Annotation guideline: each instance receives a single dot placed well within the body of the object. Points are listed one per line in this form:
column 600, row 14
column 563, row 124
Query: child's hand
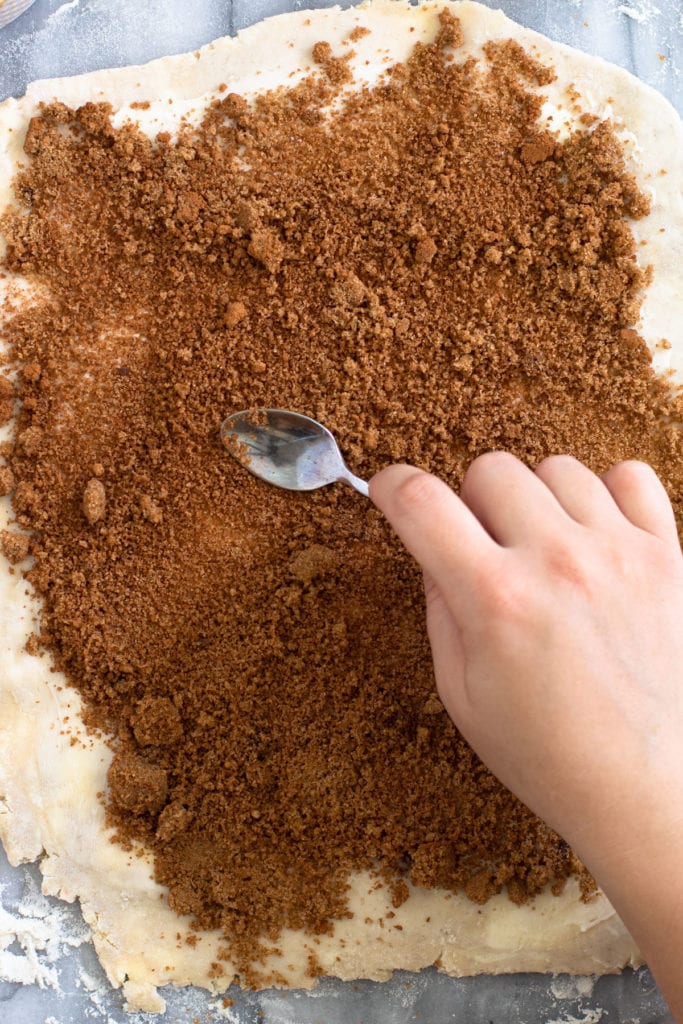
column 555, row 614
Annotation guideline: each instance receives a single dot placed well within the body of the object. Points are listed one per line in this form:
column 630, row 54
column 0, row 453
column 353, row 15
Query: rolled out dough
column 48, row 804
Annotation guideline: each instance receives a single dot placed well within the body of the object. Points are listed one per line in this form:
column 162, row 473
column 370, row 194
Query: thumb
column 438, row 529
column 448, row 653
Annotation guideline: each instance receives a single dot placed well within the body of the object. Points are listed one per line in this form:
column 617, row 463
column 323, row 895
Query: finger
column 447, row 651
column 580, row 492
column 438, row 530
column 509, row 499
column 641, row 496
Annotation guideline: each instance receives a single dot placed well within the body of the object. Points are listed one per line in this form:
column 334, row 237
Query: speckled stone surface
column 61, row 38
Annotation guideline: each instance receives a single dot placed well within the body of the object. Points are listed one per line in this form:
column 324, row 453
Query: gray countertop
column 44, row 980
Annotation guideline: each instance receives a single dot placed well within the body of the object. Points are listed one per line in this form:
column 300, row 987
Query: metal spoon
column 287, row 449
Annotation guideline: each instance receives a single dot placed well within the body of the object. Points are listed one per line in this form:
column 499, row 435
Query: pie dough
column 49, row 808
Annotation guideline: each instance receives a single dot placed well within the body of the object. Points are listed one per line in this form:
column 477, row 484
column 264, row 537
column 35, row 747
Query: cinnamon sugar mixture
column 426, row 273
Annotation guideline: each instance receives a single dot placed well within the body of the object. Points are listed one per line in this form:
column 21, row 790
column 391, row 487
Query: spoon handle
column 356, row 482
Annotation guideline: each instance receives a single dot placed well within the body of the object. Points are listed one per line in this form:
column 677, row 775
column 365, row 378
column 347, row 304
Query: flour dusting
column 639, row 10
column 223, row 1012
column 589, row 1017
column 61, row 11
column 563, row 986
column 34, row 935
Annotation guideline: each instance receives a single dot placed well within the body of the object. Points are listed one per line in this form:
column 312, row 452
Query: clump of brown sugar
column 15, row 546
column 135, row 786
column 94, row 500
column 336, row 68
column 427, row 274
column 7, row 396
column 6, row 480
column 234, row 313
column 156, row 722
column 357, row 33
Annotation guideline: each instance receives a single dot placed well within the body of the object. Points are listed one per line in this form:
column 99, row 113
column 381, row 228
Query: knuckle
column 508, row 604
column 566, row 563
column 506, row 598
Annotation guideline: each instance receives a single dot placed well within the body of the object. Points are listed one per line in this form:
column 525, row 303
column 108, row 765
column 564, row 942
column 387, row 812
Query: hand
column 555, row 615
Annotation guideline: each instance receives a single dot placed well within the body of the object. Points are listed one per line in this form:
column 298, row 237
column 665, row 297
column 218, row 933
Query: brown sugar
column 94, row 499
column 357, row 33
column 450, row 33
column 6, row 480
column 156, row 722
column 540, row 147
column 137, row 786
column 266, row 248
column 234, row 313
column 425, row 250
column 313, row 562
column 30, row 440
column 173, row 820
column 15, row 546
column 336, row 68
column 399, row 893
column 431, row 285
column 150, row 509
column 7, row 396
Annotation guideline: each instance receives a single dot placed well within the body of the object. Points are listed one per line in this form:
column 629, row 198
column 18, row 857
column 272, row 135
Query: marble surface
column 48, row 971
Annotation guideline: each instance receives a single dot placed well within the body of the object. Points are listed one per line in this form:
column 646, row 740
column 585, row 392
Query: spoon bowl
column 287, row 449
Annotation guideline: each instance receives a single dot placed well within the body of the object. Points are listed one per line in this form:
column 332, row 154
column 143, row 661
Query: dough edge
column 139, row 940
